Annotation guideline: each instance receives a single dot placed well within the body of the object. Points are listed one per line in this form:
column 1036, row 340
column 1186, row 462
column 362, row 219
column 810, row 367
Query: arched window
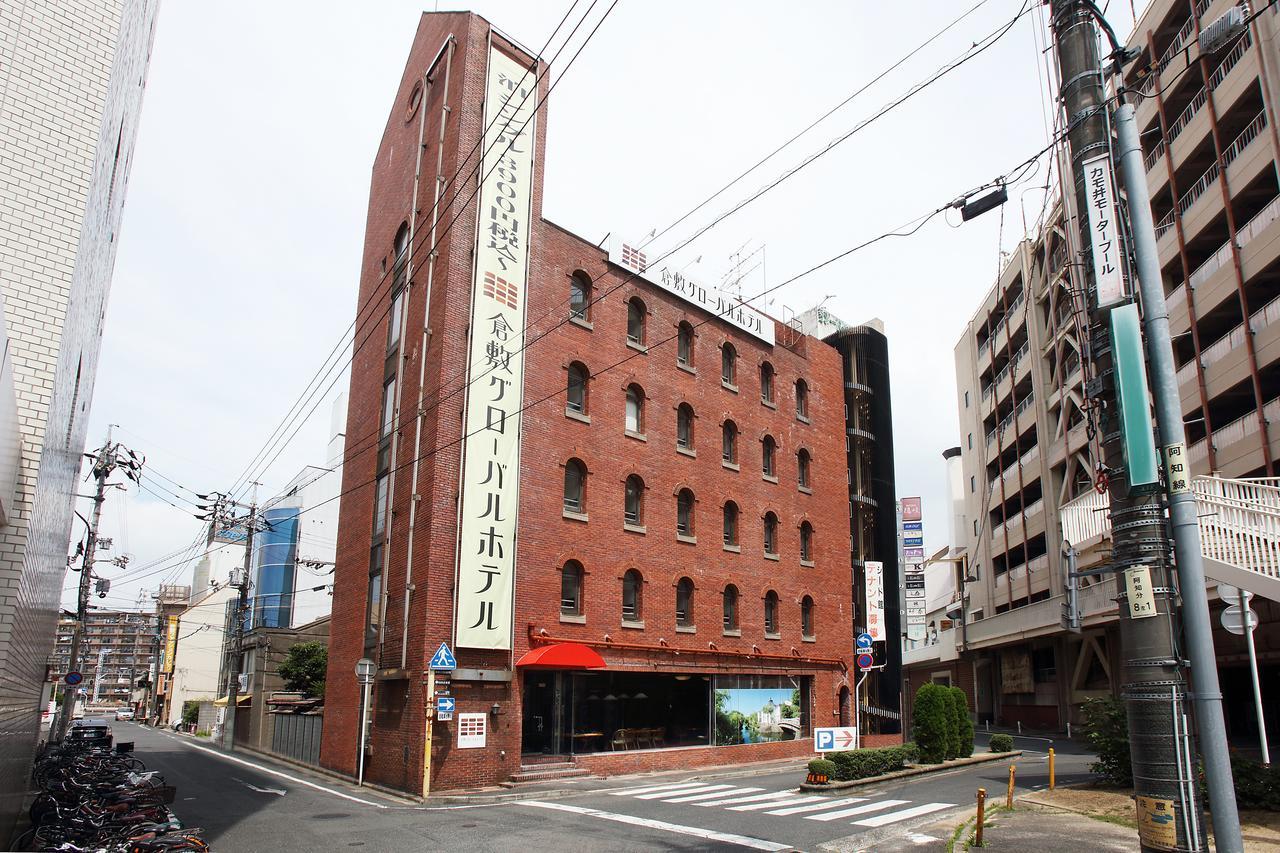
column 633, row 510
column 728, row 364
column 766, row 382
column 771, row 612
column 769, row 460
column 729, row 442
column 635, row 321
column 571, row 589
column 635, row 409
column 575, row 486
column 580, row 296
column 631, row 588
column 802, row 399
column 576, row 401
column 684, row 344
column 770, row 533
column 400, row 274
column 731, row 608
column 684, row 426
column 730, row 523
column 684, row 602
column 802, row 468
column 684, row 513
column 806, row 617
column 806, row 541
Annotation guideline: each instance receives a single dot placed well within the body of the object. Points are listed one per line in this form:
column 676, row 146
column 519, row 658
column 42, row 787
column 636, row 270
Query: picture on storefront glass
column 757, row 714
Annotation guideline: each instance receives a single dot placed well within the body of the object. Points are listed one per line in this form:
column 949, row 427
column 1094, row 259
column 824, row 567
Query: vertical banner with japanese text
column 483, row 615
column 170, row 644
column 1104, row 231
column 874, row 570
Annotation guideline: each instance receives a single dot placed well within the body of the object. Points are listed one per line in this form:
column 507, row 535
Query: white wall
column 199, row 651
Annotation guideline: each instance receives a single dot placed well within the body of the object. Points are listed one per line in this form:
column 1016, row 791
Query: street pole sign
column 866, row 661
column 834, row 738
column 1235, row 619
column 443, row 660
column 73, row 678
column 365, row 669
column 864, row 641
column 444, row 708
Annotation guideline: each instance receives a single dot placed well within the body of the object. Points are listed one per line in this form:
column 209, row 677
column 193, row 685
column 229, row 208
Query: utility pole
column 242, row 603
column 1153, row 683
column 103, row 465
column 1182, row 502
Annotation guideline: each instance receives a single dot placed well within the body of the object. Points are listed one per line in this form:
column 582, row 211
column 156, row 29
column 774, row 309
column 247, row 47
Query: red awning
column 562, row 656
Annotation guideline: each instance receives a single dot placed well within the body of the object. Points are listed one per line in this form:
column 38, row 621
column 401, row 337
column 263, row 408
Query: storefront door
column 540, row 713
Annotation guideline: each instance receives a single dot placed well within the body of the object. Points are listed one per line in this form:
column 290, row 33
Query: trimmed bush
column 822, row 767
column 964, row 725
column 1106, row 726
column 931, row 722
column 864, row 763
column 1001, row 743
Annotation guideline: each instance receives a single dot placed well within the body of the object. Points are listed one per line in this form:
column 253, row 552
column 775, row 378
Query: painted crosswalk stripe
column 696, row 797
column 695, row 790
column 869, row 807
column 694, row 831
column 768, row 804
column 670, row 786
column 733, row 801
column 894, row 817
column 817, row 807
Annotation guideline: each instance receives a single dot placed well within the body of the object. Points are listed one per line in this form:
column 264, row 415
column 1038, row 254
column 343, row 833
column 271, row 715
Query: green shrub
column 864, row 763
column 1106, row 727
column 1257, row 785
column 964, row 724
column 190, row 712
column 1001, row 743
column 931, row 722
column 823, row 767
column 910, row 753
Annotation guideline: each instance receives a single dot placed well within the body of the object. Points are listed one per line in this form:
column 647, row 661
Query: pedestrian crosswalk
column 858, row 811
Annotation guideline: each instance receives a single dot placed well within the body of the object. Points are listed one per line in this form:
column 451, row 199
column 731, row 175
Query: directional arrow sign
column 834, row 738
column 864, row 641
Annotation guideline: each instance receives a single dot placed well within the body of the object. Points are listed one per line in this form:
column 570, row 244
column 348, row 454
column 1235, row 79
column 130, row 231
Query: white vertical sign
column 874, row 571
column 1104, row 230
column 483, row 616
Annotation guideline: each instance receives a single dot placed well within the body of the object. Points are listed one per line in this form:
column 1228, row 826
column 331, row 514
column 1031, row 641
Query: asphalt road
column 245, row 803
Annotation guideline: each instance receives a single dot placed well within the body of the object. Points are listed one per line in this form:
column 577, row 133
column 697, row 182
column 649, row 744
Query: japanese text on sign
column 1177, row 469
column 875, row 599
column 1104, row 231
column 495, row 369
column 1142, row 600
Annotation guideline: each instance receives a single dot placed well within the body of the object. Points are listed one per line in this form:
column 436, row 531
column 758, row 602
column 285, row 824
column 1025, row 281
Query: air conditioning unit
column 1225, row 29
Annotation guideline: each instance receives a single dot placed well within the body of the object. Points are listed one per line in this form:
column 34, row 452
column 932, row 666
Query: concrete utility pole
column 242, row 603
column 102, row 467
column 1153, row 684
column 1207, row 697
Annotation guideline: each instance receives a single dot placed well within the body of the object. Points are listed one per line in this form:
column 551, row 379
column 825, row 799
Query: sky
column 239, row 257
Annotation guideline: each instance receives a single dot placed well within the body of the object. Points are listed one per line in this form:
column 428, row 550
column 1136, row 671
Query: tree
column 964, row 724
column 931, row 722
column 304, row 666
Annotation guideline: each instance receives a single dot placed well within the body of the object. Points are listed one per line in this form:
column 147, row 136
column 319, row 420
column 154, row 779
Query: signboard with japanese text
column 170, row 644
column 1157, row 823
column 473, row 731
column 495, row 369
column 911, row 509
column 1137, row 583
column 1177, row 468
column 1104, row 231
column 875, row 599
column 705, row 296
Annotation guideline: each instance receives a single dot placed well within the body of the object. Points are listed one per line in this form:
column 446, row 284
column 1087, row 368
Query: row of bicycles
column 97, row 798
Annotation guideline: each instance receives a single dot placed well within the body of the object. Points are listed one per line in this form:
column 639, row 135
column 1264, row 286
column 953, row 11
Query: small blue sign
column 824, row 740
column 912, row 526
column 444, row 704
column 912, row 541
column 73, row 678
column 444, row 661
column 864, row 641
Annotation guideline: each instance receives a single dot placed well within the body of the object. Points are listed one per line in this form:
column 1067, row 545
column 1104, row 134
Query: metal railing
column 1244, row 235
column 1191, row 196
column 1179, row 42
column 1201, row 97
column 1240, row 522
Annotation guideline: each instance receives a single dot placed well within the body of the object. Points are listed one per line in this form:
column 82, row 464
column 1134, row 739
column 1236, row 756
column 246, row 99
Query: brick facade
column 548, row 536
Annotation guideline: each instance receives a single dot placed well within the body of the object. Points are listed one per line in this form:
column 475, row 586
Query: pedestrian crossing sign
column 443, row 661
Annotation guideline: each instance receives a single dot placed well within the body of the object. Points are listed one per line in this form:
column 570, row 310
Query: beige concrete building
column 1029, row 453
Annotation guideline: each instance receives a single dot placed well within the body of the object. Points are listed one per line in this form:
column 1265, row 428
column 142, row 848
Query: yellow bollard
column 1013, row 768
column 982, row 800
column 1050, row 768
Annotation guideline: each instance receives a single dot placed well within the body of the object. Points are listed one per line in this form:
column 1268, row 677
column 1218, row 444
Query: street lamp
column 364, row 675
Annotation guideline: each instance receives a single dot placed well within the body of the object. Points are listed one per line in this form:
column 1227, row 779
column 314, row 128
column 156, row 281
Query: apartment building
column 117, row 653
column 1029, row 452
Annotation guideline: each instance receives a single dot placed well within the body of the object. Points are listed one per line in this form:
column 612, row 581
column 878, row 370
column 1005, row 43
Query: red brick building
column 675, row 590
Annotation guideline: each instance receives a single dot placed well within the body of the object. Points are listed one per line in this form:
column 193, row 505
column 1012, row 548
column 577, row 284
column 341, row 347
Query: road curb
column 953, row 764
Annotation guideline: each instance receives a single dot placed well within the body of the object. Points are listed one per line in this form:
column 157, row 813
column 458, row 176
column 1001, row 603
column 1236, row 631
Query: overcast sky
column 239, row 258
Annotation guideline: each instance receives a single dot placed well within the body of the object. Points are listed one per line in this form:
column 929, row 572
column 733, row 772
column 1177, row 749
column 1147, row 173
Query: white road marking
column 280, row 792
column 894, row 817
column 869, row 807
column 671, row 786
column 700, row 789
column 817, row 807
column 261, row 769
column 696, row 832
column 776, row 795
column 696, row 797
column 921, row 838
column 768, row 804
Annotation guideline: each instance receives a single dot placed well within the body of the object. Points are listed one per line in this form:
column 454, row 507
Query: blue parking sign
column 825, row 740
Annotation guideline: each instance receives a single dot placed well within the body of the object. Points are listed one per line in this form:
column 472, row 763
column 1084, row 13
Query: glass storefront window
column 760, row 708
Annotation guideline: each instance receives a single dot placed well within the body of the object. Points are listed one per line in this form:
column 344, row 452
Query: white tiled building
column 70, row 96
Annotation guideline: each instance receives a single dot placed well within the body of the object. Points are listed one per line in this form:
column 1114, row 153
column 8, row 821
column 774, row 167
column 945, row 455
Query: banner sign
column 170, row 643
column 911, row 509
column 1104, row 231
column 483, row 611
column 875, row 599
column 705, row 296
